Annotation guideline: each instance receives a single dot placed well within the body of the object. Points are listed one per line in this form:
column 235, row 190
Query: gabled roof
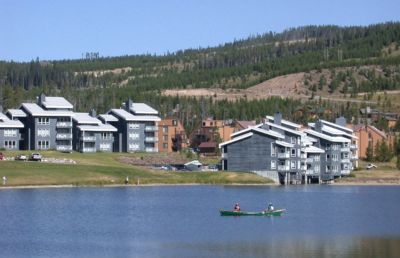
column 313, row 149
column 130, row 117
column 98, row 128
column 56, row 102
column 339, row 127
column 286, row 122
column 16, row 113
column 85, row 118
column 327, row 137
column 259, row 130
column 6, row 122
column 245, row 124
column 142, row 109
column 36, row 110
column 239, row 138
column 108, row 118
column 284, row 144
column 334, row 131
column 285, row 128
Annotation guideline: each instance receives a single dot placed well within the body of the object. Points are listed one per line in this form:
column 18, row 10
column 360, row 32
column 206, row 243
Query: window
column 165, row 145
column 293, row 140
column 133, row 126
column 165, row 138
column 43, row 121
column 328, row 156
column 293, row 152
column 43, row 132
column 9, row 144
column 273, row 150
column 10, row 133
column 174, row 122
column 133, row 136
column 43, row 145
column 298, row 141
column 273, row 164
column 316, row 158
column 165, row 129
column 106, row 136
column 292, row 164
column 346, row 155
column 334, row 157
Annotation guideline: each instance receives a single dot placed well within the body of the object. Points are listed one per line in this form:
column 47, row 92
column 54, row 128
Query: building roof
column 85, row 118
column 245, row 124
column 327, row 137
column 286, row 122
column 6, row 122
column 313, row 149
column 334, row 131
column 130, row 117
column 56, row 102
column 142, row 109
column 36, row 110
column 208, row 145
column 16, row 113
column 108, row 118
column 284, row 144
column 336, row 126
column 239, row 138
column 97, row 128
column 259, row 130
column 285, row 128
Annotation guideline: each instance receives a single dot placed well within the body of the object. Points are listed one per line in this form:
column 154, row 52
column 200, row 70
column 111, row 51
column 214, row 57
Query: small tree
column 370, row 154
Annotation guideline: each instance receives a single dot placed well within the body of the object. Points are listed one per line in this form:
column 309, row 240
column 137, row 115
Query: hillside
column 306, row 62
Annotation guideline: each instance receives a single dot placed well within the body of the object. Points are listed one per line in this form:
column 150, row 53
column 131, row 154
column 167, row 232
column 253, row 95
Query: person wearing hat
column 237, row 207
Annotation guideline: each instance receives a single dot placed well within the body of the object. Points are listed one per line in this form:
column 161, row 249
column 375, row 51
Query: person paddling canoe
column 237, row 207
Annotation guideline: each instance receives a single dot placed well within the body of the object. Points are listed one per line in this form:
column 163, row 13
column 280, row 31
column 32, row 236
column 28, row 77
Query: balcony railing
column 148, row 149
column 151, row 139
column 310, row 160
column 345, row 160
column 64, row 148
column 354, row 157
column 89, row 149
column 150, row 128
column 345, row 171
column 310, row 172
column 345, row 149
column 284, row 155
column 283, row 168
column 63, row 124
column 64, row 136
column 353, row 146
column 88, row 138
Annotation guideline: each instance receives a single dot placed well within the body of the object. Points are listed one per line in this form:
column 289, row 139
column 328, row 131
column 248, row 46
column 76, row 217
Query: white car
column 371, row 166
column 22, row 157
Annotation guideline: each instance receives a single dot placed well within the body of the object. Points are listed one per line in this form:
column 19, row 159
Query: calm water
column 180, row 221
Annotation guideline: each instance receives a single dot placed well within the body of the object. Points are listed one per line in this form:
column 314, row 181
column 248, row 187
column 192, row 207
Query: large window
column 9, row 144
column 273, row 164
column 10, row 133
column 43, row 121
column 43, row 145
column 293, row 152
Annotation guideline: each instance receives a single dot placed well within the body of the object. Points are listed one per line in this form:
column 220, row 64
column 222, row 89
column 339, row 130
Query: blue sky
column 56, row 29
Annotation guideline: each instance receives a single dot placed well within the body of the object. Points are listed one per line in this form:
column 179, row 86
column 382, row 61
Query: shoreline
column 188, row 184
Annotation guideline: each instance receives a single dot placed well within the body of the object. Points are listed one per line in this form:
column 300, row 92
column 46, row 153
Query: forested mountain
column 104, row 82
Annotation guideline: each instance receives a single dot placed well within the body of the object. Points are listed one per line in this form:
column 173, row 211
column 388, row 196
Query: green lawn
column 106, row 169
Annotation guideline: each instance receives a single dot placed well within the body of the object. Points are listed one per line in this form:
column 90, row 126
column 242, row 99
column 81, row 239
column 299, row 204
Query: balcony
column 150, row 128
column 64, row 136
column 311, row 172
column 88, row 138
column 354, row 157
column 64, row 124
column 345, row 160
column 303, row 168
column 345, row 172
column 345, row 149
column 310, row 160
column 353, row 146
column 148, row 149
column 89, row 149
column 283, row 168
column 284, row 155
column 151, row 139
column 64, row 148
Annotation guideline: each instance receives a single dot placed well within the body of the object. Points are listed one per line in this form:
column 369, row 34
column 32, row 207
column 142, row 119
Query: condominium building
column 92, row 135
column 10, row 133
column 48, row 124
column 137, row 126
column 171, row 135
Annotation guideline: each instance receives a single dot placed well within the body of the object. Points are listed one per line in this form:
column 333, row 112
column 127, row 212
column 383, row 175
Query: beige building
column 171, row 135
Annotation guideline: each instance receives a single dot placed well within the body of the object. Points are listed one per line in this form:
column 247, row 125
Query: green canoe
column 252, row 213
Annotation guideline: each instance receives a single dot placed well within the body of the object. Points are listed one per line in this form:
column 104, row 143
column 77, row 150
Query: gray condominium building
column 137, row 125
column 10, row 133
column 48, row 124
column 279, row 149
column 92, row 135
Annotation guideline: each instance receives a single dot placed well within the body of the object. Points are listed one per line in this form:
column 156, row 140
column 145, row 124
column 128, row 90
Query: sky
column 64, row 29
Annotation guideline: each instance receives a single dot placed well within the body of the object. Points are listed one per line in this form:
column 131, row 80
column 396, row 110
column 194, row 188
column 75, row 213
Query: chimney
column 318, row 126
column 277, row 118
column 128, row 105
column 42, row 98
column 341, row 121
column 92, row 112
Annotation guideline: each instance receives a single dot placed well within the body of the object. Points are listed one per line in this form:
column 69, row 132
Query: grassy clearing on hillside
column 105, row 169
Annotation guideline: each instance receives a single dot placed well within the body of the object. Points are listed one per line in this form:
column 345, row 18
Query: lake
column 184, row 221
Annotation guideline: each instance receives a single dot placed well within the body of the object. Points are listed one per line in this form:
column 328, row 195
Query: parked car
column 371, row 166
column 22, row 157
column 36, row 157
